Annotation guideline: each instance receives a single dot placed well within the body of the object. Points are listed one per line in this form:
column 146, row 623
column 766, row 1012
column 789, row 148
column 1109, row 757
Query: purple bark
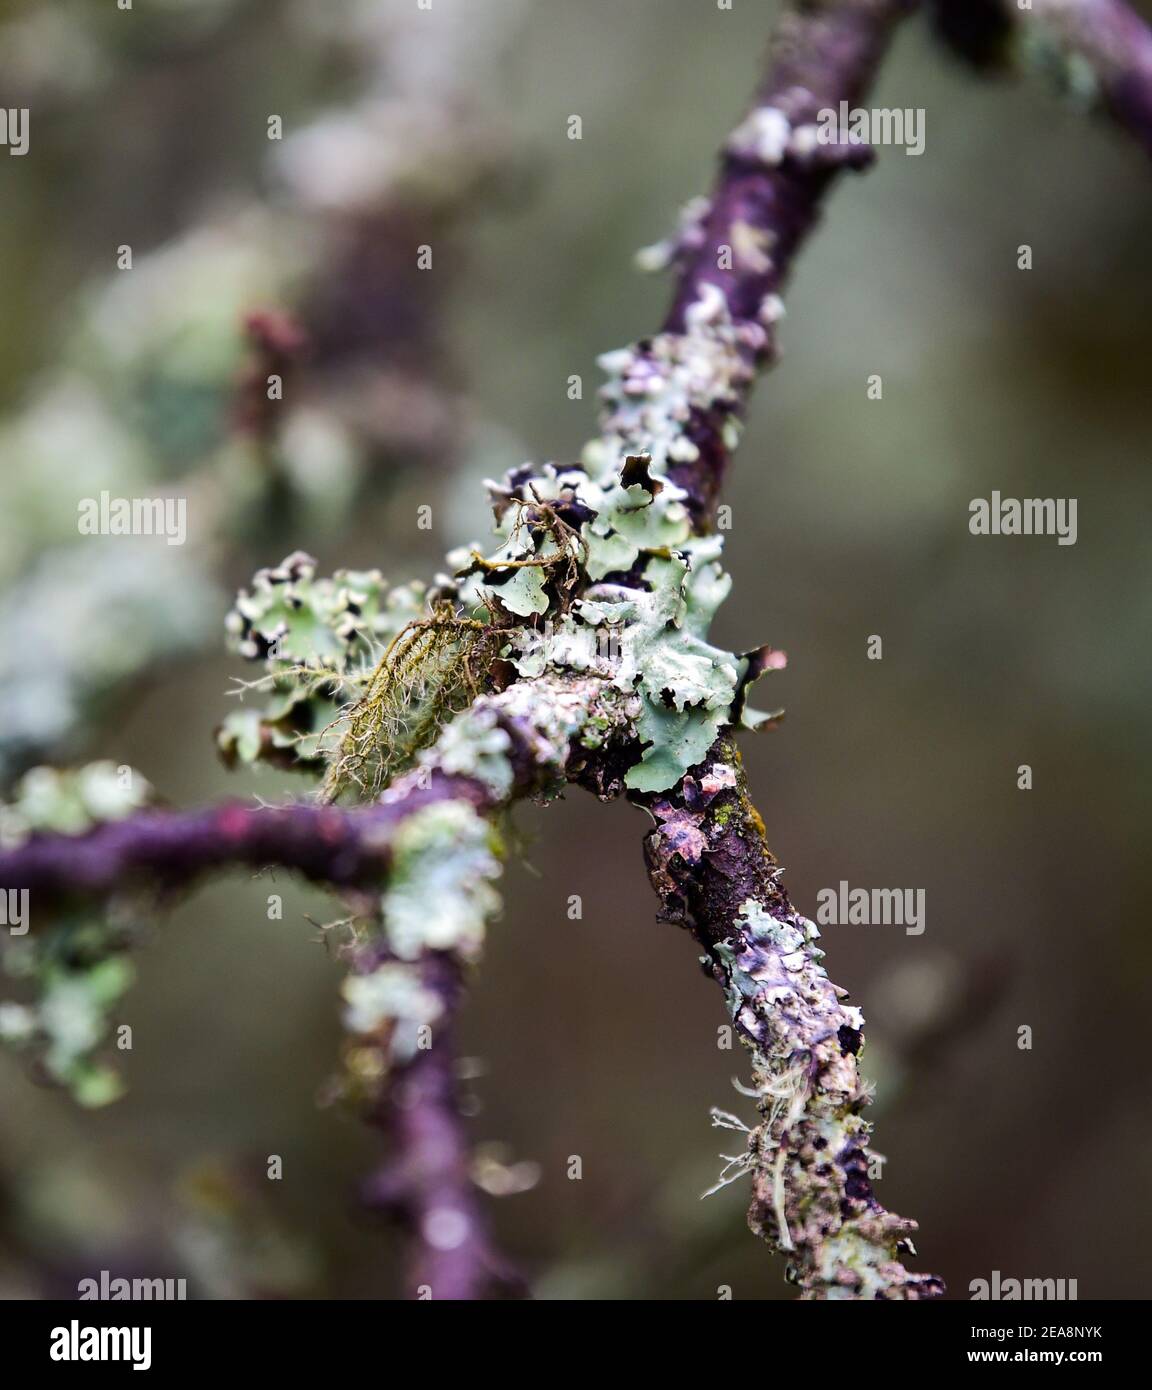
column 427, row 1179
column 169, row 849
column 1107, row 36
column 819, row 56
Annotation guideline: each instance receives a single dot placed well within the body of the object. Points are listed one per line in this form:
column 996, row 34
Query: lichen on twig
column 433, row 668
column 575, row 649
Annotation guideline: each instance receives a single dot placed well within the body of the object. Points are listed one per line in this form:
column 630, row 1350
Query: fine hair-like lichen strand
column 431, row 669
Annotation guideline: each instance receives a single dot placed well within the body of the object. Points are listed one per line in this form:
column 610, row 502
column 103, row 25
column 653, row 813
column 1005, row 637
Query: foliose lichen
column 597, row 570
column 320, row 641
column 648, row 585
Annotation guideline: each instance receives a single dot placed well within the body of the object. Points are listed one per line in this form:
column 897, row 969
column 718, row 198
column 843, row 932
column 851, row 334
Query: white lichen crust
column 811, row 1169
column 809, row 1160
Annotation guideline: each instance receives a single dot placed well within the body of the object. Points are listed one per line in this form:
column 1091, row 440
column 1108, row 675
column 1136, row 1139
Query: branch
column 812, row 1196
column 408, row 1091
column 170, row 849
column 1100, row 48
column 428, row 844
column 504, row 747
column 428, row 1180
column 774, row 175
column 671, row 416
column 708, row 857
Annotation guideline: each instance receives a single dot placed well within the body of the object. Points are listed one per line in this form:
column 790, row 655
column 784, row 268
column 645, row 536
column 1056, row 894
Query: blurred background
column 596, row 1037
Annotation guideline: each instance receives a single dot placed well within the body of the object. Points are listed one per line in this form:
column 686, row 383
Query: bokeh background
column 594, row 1037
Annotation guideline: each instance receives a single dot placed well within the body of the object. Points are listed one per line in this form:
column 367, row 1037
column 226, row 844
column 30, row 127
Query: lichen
column 440, row 890
column 390, row 1004
column 474, row 745
column 642, row 616
column 71, row 800
column 439, row 898
column 597, row 570
column 763, row 135
column 808, row 1156
column 688, row 237
column 657, row 389
column 321, row 642
column 68, row 973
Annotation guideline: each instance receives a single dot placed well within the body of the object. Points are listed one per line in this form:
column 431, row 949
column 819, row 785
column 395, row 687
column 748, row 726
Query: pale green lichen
column 320, row 640
column 784, row 936
column 474, row 745
column 70, row 969
column 74, row 1014
column 656, row 390
column 71, row 800
column 638, row 611
column 688, row 685
column 290, row 617
column 855, row 1268
column 649, row 636
column 440, row 891
column 391, row 1001
column 439, row 897
column 597, row 571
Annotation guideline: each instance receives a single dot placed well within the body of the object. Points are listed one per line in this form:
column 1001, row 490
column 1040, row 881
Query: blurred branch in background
column 1097, row 51
column 430, row 1179
column 355, row 388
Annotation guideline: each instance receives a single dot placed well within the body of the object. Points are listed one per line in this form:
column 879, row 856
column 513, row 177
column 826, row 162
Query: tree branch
column 170, row 849
column 708, row 857
column 428, row 844
column 738, row 248
column 427, row 1180
column 345, row 847
column 675, row 400
column 1100, row 48
column 709, row 861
